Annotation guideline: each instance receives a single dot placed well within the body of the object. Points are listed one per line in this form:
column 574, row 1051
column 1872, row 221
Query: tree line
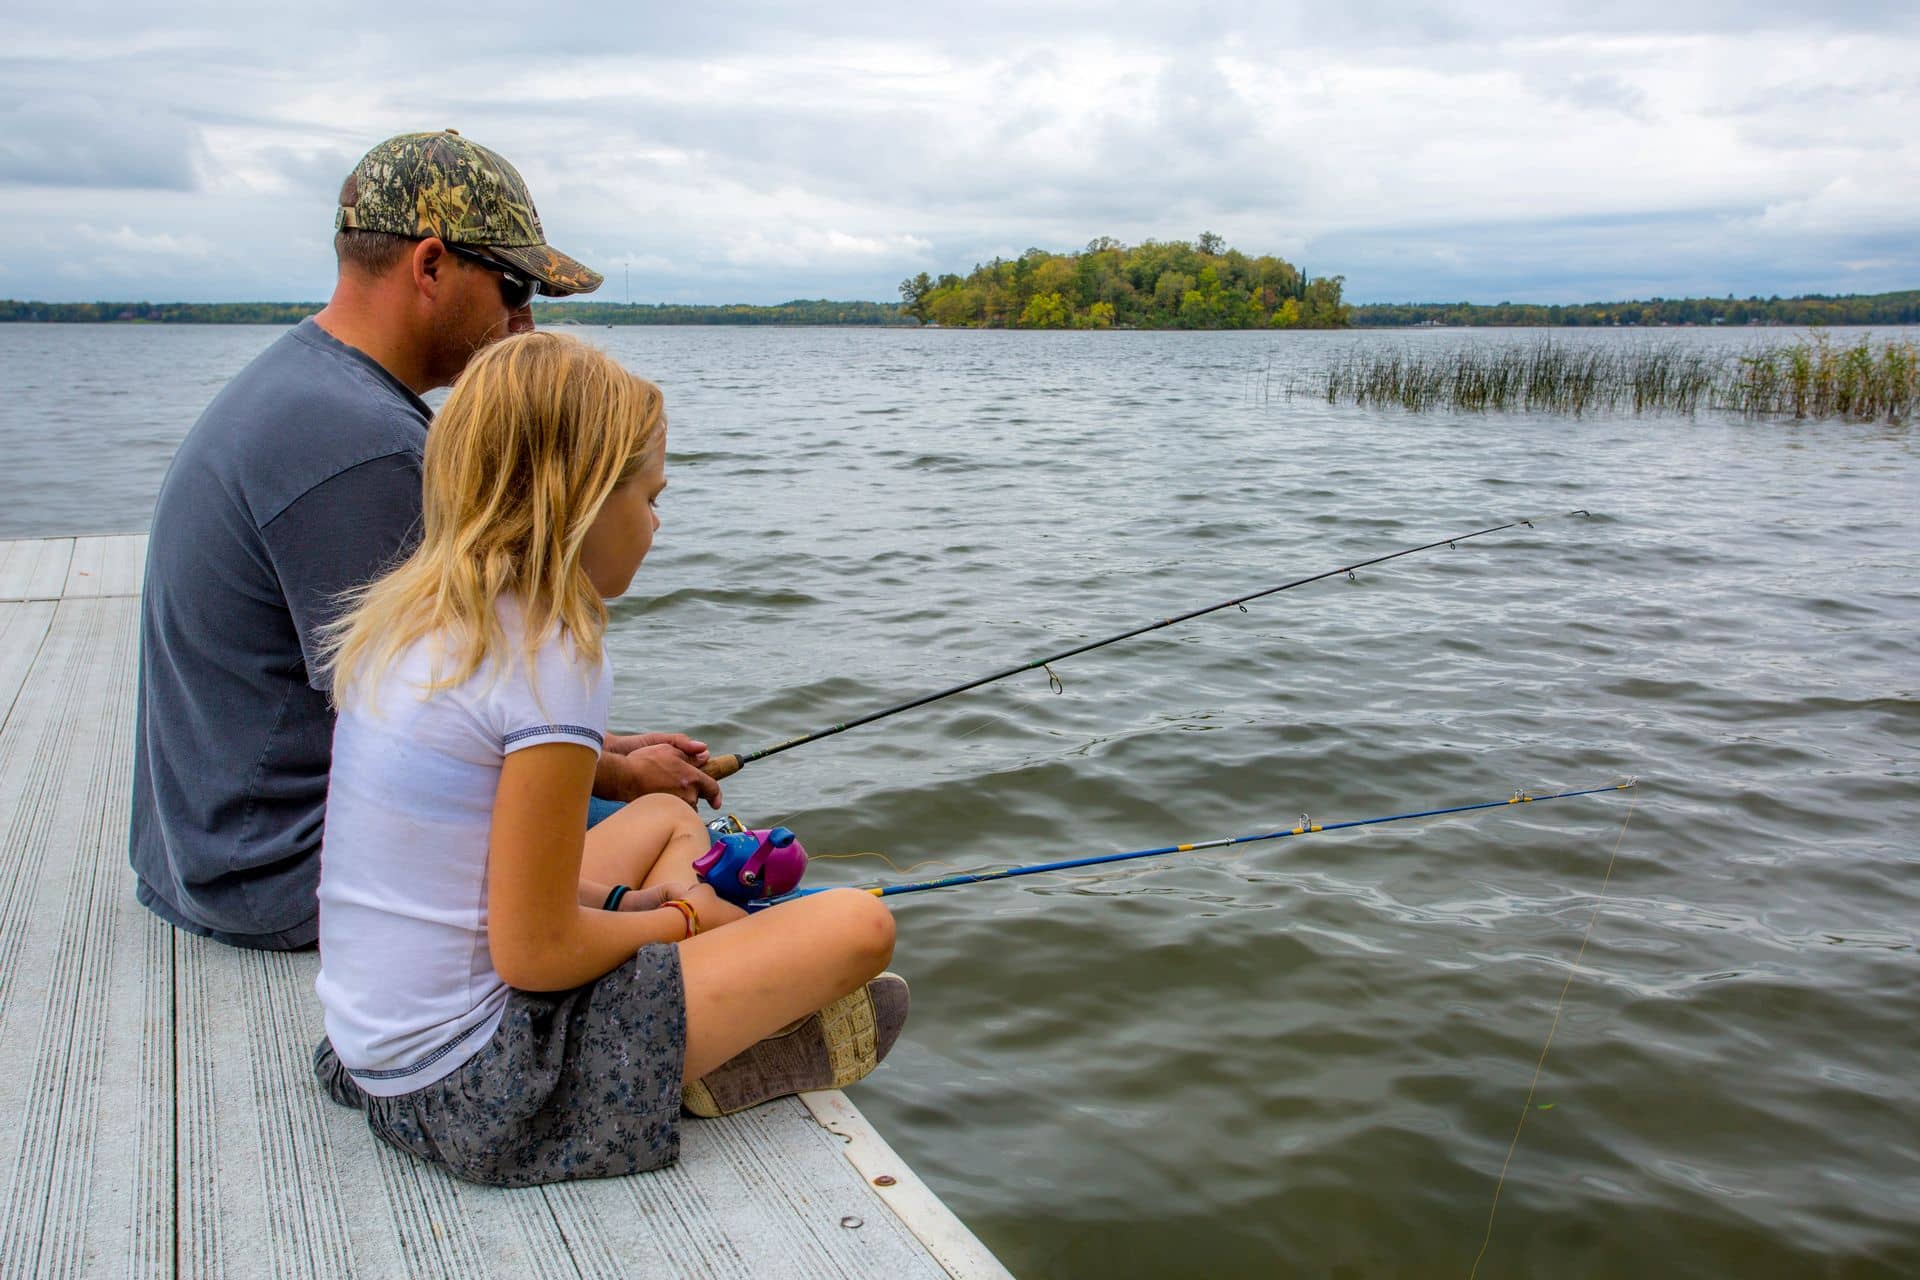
column 1157, row 284
column 1005, row 294
column 1814, row 309
column 156, row 312
column 799, row 311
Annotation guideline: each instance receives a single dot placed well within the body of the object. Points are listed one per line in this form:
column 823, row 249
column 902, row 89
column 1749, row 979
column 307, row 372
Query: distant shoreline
column 1815, row 310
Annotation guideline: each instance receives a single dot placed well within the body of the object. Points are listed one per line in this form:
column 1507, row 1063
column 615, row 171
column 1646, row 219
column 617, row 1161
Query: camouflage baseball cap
column 439, row 184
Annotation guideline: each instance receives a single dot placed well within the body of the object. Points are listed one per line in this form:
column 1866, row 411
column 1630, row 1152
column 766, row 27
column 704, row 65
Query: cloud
column 1703, row 252
column 73, row 140
column 160, row 244
column 753, row 151
column 1845, row 204
column 1604, row 91
column 805, row 246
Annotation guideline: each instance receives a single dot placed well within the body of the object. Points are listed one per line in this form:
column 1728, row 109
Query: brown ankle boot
column 829, row 1049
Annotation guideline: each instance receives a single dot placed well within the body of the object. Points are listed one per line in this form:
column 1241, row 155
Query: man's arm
column 637, row 764
column 341, row 534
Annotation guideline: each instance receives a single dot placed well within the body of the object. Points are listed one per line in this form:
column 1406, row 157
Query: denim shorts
column 573, row 1084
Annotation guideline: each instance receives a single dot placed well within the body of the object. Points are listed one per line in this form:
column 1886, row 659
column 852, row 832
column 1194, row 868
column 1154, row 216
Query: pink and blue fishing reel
column 749, row 867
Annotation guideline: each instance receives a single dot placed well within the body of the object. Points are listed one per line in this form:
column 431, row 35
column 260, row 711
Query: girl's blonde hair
column 535, row 435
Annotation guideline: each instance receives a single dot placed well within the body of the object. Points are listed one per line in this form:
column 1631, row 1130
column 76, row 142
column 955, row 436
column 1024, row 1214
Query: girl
column 495, row 1001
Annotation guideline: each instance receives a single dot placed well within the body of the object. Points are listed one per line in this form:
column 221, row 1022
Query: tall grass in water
column 1819, row 380
column 1808, row 378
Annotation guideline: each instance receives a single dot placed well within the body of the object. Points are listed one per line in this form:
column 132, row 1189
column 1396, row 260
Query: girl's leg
column 653, row 840
column 746, row 980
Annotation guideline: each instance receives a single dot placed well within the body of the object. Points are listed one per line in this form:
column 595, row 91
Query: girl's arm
column 541, row 936
column 594, row 894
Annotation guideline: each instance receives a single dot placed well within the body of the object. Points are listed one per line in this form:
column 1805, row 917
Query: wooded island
column 1158, row 284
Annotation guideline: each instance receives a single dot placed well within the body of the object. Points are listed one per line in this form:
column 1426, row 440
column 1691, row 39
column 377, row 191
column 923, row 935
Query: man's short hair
column 369, row 253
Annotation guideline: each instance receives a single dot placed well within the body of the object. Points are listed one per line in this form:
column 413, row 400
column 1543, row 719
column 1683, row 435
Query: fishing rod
column 726, row 766
column 1306, row 826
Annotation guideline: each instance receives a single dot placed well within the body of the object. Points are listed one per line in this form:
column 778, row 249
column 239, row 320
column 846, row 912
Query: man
column 300, row 482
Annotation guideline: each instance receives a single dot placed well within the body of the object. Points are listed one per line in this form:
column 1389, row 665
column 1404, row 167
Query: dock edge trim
column 957, row 1250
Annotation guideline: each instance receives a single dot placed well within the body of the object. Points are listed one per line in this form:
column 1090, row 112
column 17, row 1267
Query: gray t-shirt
column 301, row 480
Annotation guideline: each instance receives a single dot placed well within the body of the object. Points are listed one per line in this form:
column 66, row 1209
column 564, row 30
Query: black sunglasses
column 516, row 289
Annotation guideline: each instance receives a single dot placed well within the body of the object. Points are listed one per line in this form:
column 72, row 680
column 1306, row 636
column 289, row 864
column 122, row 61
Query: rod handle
column 718, row 767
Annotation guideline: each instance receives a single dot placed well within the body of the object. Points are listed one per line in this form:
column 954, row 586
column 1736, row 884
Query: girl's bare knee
column 864, row 927
column 668, row 808
column 675, row 819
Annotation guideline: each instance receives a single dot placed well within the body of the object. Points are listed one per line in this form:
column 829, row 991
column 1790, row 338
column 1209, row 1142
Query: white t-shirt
column 406, row 977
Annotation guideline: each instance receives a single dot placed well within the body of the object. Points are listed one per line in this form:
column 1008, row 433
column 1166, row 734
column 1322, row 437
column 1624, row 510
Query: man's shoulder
column 304, row 411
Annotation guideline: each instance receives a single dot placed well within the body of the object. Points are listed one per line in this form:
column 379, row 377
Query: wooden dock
column 160, row 1117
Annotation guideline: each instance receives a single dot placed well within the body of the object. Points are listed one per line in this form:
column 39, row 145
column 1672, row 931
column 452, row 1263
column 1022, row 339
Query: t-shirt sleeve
column 340, row 534
column 564, row 700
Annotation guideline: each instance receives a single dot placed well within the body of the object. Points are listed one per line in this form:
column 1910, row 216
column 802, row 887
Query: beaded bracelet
column 685, row 908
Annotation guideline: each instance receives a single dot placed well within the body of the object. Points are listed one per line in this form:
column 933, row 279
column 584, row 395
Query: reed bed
column 1807, row 378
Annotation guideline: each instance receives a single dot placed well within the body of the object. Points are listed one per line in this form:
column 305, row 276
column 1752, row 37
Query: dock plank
column 90, row 1184
column 34, row 569
column 114, row 565
column 23, row 626
column 265, row 1174
column 762, row 1193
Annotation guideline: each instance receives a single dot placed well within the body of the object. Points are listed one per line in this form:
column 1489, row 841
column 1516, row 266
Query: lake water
column 1306, row 1057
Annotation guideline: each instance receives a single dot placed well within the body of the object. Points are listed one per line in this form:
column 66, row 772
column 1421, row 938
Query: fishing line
column 896, row 867
column 987, row 721
column 1560, row 1004
column 1306, row 826
column 726, row 766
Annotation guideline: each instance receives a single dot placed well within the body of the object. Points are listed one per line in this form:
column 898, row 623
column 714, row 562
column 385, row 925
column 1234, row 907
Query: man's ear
column 429, row 262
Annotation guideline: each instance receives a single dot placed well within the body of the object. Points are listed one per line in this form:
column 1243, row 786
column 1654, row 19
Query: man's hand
column 626, row 743
column 637, row 764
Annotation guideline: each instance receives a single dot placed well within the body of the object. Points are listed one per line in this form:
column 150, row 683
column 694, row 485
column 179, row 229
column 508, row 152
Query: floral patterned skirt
column 573, row 1084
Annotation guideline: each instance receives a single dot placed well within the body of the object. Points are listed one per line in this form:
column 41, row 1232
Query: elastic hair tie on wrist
column 614, row 895
column 685, row 908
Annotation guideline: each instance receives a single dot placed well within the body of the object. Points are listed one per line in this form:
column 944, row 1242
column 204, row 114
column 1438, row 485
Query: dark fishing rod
column 1306, row 826
column 728, row 765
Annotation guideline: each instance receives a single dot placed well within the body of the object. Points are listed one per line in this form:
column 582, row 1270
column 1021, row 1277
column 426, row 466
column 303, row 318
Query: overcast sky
column 1540, row 151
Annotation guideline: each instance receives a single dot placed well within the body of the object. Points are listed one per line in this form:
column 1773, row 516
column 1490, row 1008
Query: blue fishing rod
column 1306, row 826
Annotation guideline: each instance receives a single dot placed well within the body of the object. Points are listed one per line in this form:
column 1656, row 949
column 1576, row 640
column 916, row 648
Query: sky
column 1550, row 151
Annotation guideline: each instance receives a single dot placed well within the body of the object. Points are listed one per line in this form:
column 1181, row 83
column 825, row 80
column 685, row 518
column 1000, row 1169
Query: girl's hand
column 712, row 909
column 647, row 899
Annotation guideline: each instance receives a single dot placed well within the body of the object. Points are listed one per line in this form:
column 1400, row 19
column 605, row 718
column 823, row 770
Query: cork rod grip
column 718, row 767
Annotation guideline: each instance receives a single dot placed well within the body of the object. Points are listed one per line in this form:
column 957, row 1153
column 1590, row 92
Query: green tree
column 1053, row 274
column 1169, row 291
column 1046, row 311
column 1322, row 308
column 913, row 292
column 957, row 305
column 1203, row 306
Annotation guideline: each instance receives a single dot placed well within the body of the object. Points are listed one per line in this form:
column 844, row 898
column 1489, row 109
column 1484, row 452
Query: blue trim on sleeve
column 570, row 730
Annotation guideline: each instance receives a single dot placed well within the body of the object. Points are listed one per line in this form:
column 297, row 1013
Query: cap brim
column 558, row 274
